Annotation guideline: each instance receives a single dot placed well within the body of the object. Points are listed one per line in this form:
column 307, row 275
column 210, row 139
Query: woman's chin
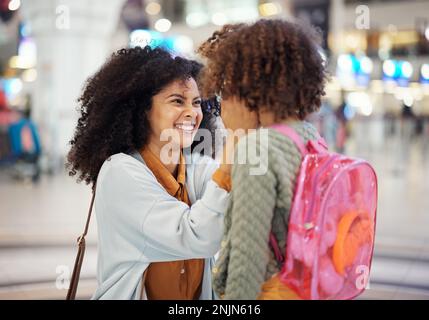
column 186, row 140
column 186, row 143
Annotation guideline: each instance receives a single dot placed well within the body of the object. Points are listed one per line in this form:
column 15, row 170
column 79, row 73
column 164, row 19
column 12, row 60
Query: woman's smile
column 186, row 127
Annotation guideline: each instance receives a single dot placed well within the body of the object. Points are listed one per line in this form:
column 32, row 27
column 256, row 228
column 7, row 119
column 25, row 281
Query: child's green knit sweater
column 258, row 204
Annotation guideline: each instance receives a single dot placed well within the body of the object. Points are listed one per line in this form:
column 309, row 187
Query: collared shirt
column 174, row 280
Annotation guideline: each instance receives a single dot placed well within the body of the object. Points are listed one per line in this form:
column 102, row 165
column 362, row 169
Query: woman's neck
column 171, row 165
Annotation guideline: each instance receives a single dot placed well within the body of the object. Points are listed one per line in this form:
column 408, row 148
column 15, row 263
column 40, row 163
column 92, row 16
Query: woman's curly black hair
column 273, row 64
column 114, row 106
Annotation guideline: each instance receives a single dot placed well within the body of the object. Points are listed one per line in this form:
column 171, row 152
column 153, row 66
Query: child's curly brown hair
column 272, row 64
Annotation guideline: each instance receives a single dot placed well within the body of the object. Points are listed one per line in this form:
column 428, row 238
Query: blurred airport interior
column 376, row 107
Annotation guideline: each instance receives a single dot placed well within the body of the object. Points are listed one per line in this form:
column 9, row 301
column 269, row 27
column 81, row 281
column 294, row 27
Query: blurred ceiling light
column 366, row 109
column 15, row 86
column 352, row 41
column 29, row 75
column 183, row 44
column 14, row 62
column 197, row 19
column 361, row 102
column 407, row 69
column 163, row 25
column 366, row 65
column 269, row 9
column 14, row 5
column 389, row 68
column 408, row 100
column 18, row 62
column 153, row 8
column 140, row 38
column 425, row 71
column 27, row 53
column 345, row 63
column 219, row 19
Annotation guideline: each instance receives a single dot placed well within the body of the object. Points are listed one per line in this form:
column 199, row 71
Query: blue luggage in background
column 24, row 139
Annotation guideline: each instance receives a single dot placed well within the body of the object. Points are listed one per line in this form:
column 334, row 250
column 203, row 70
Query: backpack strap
column 293, row 135
column 318, row 145
column 274, row 244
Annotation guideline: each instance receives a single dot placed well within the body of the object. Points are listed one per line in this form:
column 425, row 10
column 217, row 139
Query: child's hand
column 228, row 154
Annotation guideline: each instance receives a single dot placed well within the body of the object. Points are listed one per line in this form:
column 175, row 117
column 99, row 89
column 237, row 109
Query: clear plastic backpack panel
column 331, row 237
column 302, row 245
column 347, row 234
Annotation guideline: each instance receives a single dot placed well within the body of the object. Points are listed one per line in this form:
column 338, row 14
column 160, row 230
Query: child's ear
column 265, row 117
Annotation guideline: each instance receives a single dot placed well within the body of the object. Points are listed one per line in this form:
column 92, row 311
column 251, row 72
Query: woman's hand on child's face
column 235, row 115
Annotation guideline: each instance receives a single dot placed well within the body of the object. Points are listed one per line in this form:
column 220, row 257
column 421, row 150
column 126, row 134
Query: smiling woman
column 159, row 222
column 123, row 104
column 176, row 112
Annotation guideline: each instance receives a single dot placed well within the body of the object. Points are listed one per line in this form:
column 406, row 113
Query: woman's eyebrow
column 182, row 96
column 176, row 95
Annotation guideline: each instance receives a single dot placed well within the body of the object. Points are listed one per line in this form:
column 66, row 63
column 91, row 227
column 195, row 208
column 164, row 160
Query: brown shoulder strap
column 71, row 294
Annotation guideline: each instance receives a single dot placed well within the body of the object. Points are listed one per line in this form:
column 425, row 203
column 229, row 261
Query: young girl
column 270, row 71
column 159, row 221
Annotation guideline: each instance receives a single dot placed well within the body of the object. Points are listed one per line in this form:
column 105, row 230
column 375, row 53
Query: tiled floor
column 40, row 223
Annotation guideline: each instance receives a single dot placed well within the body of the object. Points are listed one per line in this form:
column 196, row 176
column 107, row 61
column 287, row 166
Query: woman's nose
column 190, row 116
column 190, row 113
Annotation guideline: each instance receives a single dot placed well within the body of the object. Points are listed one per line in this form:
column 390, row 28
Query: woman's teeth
column 184, row 127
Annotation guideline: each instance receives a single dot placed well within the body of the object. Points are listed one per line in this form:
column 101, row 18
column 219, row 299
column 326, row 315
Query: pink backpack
column 331, row 224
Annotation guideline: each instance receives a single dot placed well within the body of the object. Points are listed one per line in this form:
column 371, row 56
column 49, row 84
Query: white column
column 73, row 38
column 336, row 26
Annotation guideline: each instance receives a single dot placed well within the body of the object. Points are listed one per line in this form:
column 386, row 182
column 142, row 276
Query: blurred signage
column 315, row 12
